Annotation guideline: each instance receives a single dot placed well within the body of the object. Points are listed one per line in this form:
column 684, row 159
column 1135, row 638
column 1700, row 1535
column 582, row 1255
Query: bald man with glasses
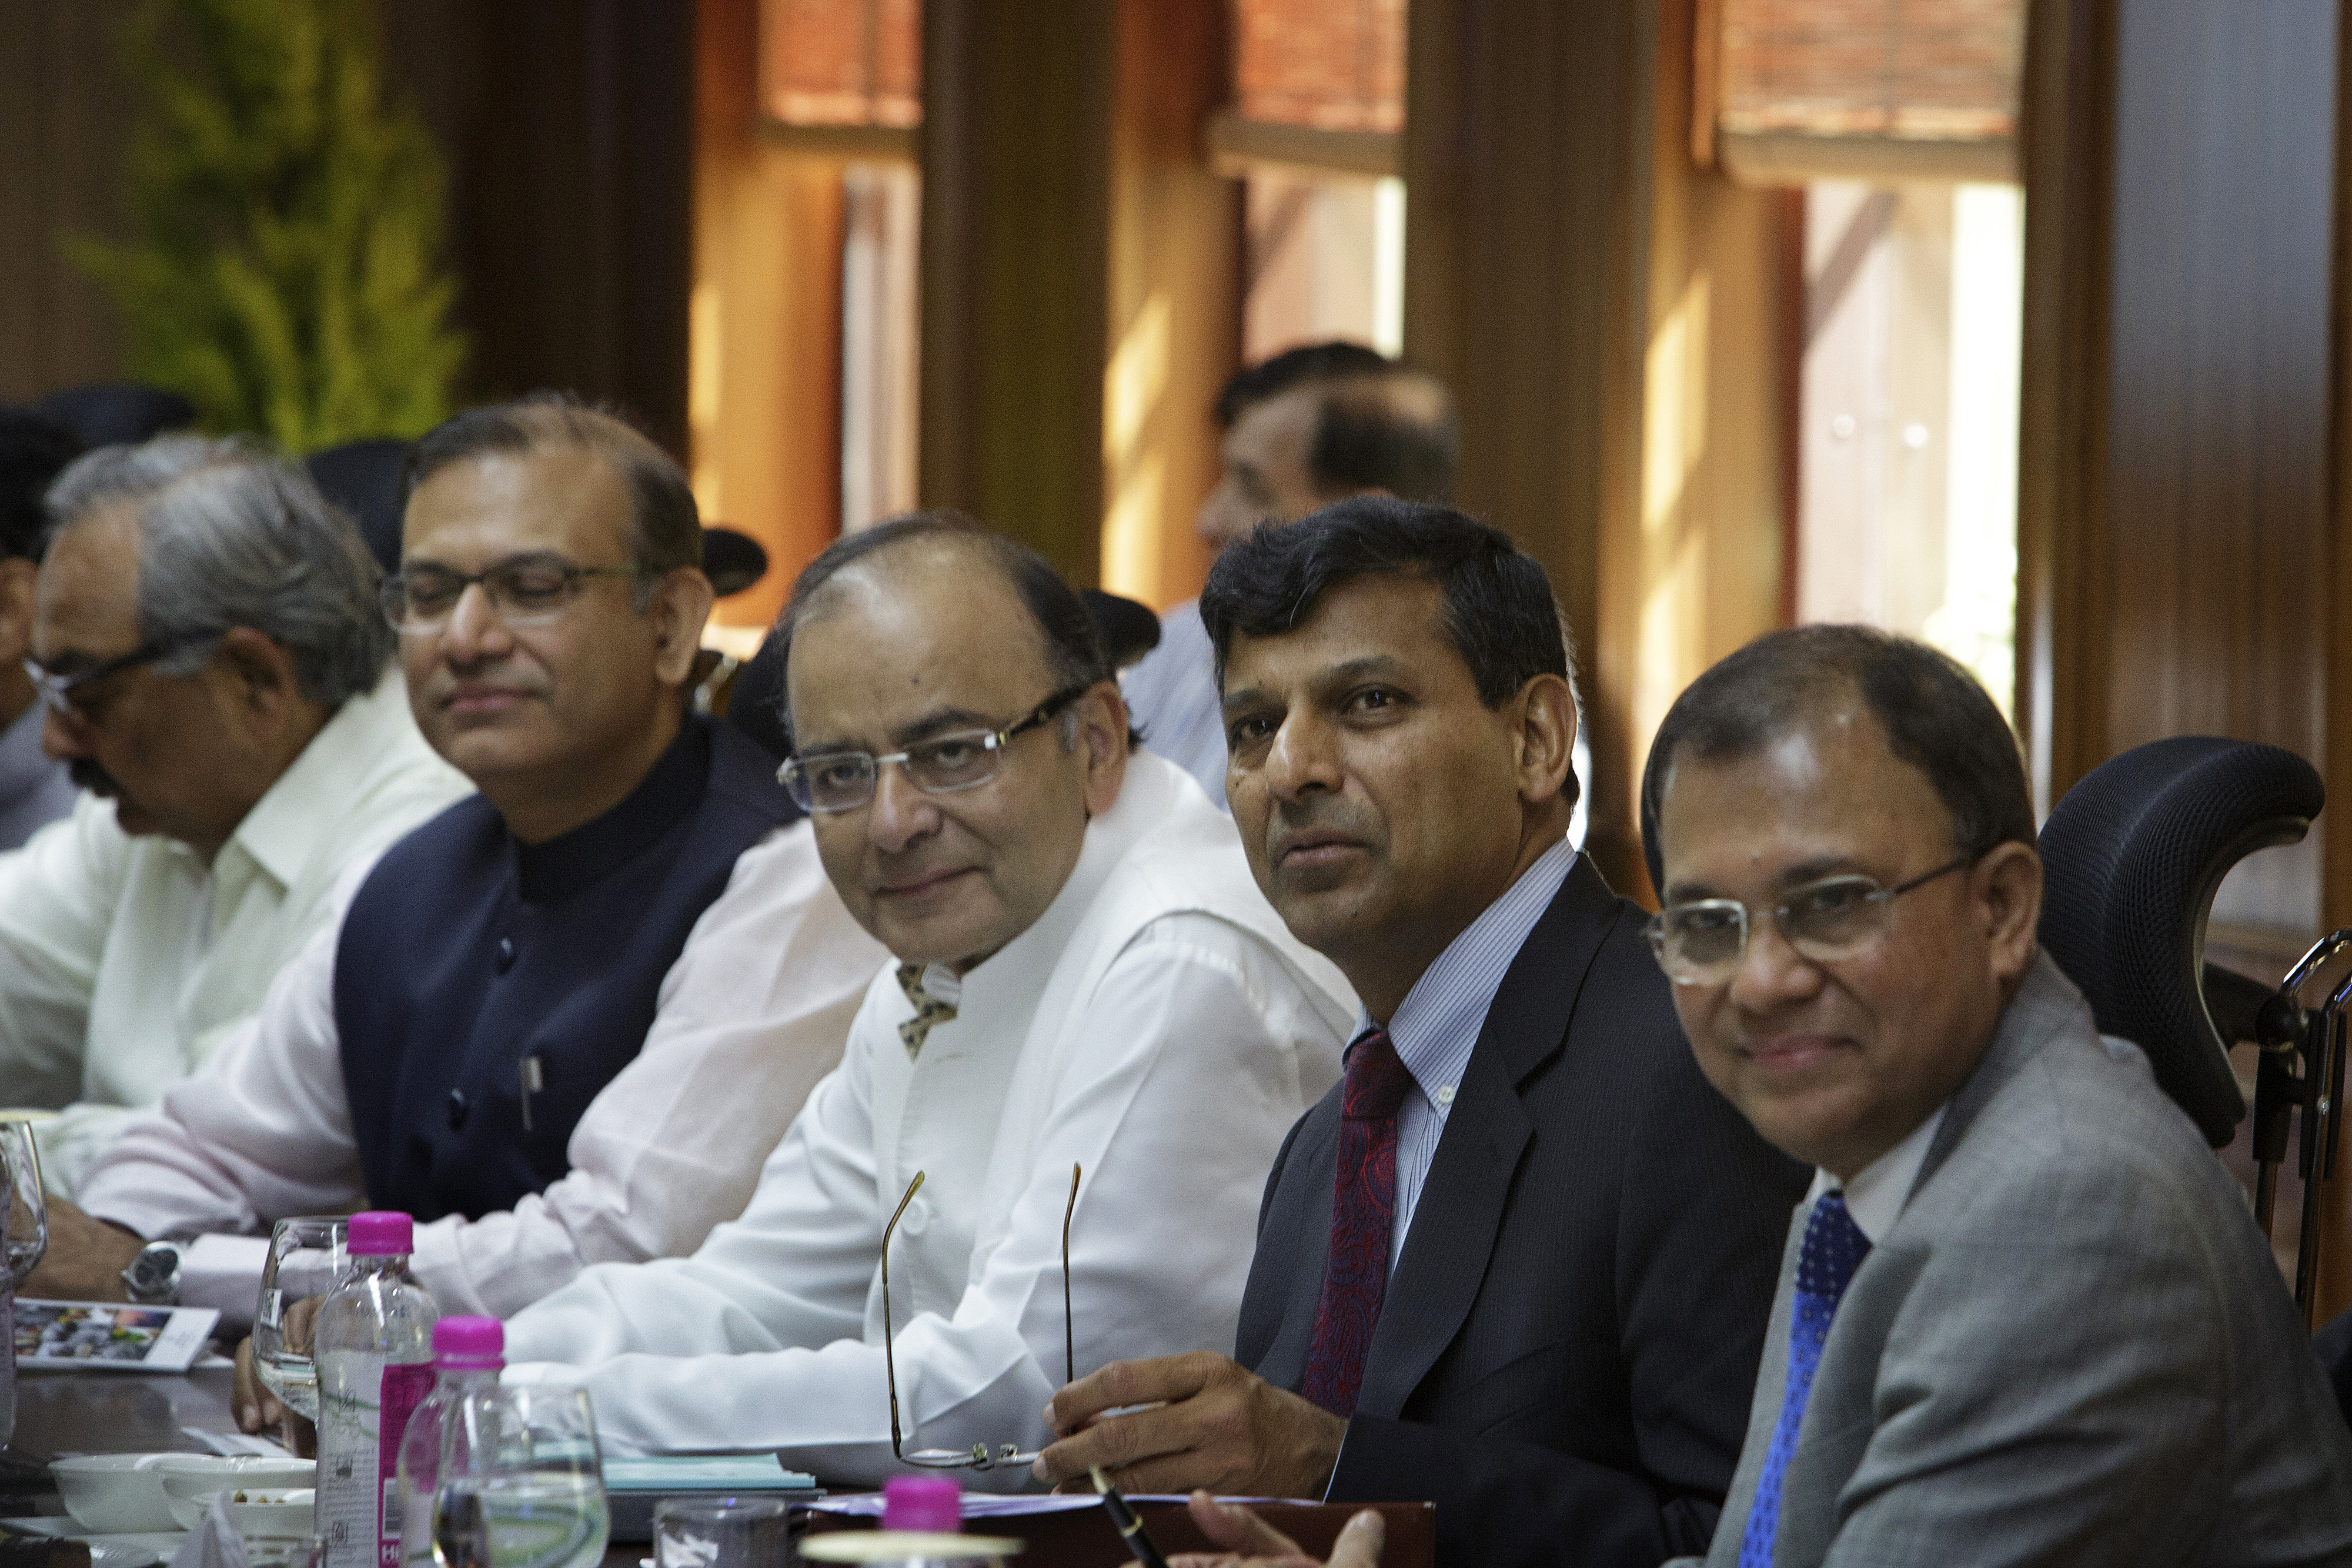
column 565, row 1021
column 1044, row 1148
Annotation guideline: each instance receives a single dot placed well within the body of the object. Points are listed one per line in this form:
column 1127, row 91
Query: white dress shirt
column 1171, row 696
column 1878, row 1191
column 1437, row 1025
column 750, row 1017
column 125, row 963
column 1156, row 1026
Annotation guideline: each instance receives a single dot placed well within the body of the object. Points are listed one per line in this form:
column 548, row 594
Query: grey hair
column 230, row 536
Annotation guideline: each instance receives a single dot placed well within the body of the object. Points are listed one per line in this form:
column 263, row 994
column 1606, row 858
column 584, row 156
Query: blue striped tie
column 1833, row 1250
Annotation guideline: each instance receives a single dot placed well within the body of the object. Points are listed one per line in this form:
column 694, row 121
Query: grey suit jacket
column 2073, row 1347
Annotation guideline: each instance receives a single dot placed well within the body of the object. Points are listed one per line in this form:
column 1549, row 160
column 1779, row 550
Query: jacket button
column 506, row 954
column 458, row 1109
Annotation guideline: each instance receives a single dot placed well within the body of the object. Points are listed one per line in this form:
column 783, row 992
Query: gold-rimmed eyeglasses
column 979, row 1456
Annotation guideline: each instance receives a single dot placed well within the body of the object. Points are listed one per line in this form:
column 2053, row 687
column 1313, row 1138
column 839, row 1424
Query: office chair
column 363, row 477
column 109, row 414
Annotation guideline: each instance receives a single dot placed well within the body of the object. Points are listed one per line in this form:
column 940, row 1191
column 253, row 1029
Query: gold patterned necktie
column 929, row 1012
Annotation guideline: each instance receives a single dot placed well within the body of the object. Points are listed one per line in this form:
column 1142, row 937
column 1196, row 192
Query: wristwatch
column 154, row 1278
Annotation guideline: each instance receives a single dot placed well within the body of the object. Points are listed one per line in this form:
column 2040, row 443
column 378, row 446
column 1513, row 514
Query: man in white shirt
column 212, row 663
column 1088, row 980
column 565, row 1020
column 2023, row 1315
column 1312, row 425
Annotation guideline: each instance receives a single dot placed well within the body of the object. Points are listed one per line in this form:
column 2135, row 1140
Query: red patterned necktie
column 1363, row 1214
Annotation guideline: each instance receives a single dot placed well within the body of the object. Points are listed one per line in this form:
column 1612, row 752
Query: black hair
column 32, row 452
column 665, row 529
column 1936, row 716
column 1499, row 612
column 1073, row 649
column 1363, row 439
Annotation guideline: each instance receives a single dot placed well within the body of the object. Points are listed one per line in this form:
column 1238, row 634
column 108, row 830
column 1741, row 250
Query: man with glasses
column 1518, row 1263
column 2023, row 1314
column 1045, row 1145
column 565, row 1020
column 210, row 662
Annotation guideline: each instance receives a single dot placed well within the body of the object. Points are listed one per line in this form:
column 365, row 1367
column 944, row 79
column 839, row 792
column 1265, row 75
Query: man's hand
column 255, row 1406
column 1251, row 1542
column 85, row 1260
column 1215, row 1426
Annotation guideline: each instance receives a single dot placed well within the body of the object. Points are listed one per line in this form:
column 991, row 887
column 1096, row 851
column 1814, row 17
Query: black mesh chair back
column 112, row 413
column 363, row 477
column 2132, row 857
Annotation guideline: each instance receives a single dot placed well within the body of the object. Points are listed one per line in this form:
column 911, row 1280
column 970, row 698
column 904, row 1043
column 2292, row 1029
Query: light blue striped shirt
column 1436, row 1026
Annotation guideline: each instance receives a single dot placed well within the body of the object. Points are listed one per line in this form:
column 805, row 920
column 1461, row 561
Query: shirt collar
column 1878, row 1191
column 285, row 829
column 22, row 763
column 1437, row 1025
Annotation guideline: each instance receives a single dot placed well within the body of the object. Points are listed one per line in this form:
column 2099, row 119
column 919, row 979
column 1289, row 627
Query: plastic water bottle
column 374, row 1355
column 467, row 1355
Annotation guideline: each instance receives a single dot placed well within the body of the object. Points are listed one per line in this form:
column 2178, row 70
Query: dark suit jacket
column 1566, row 1353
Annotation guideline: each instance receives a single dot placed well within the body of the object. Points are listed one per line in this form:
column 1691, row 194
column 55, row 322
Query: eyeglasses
column 959, row 759
column 58, row 691
column 979, row 1457
column 1702, row 943
column 523, row 591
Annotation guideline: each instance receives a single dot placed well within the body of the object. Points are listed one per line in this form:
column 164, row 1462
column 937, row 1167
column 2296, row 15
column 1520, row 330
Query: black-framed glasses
column 523, row 590
column 1702, row 943
column 57, row 691
column 979, row 1456
column 959, row 759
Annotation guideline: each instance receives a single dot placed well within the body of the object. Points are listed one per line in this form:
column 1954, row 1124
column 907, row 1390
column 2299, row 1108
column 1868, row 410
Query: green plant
column 283, row 273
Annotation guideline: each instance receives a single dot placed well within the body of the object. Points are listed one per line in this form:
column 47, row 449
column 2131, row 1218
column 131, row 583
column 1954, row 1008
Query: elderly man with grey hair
column 206, row 639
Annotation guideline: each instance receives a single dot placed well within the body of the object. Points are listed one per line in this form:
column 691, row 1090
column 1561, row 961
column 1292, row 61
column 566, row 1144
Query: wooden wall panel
column 1016, row 147
column 1612, row 321
column 65, row 110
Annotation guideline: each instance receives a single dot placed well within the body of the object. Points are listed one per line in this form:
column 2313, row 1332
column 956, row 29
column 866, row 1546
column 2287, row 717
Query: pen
column 1123, row 1516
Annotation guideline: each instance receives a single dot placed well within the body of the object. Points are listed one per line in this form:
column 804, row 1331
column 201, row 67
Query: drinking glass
column 529, row 1496
column 24, row 1237
column 721, row 1533
column 306, row 1260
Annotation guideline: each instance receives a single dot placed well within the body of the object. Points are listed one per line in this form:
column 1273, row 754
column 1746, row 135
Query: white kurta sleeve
column 1198, row 1052
column 262, row 1132
column 58, row 897
column 753, row 1013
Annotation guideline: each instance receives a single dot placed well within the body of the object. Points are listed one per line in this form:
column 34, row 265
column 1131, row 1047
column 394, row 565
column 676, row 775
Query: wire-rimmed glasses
column 1701, row 943
column 58, row 690
column 959, row 759
column 523, row 591
column 978, row 1457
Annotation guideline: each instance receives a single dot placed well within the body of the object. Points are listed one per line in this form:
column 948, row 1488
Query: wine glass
column 530, row 1495
column 24, row 1237
column 306, row 1260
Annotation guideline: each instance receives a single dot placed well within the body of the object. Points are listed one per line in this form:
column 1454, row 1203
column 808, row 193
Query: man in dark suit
column 1520, row 1261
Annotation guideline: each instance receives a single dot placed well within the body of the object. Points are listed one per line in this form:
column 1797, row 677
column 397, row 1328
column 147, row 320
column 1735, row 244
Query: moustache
column 88, row 775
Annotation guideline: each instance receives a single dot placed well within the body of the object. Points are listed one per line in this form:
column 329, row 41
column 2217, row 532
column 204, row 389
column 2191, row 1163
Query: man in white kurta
column 1152, row 1024
column 138, row 934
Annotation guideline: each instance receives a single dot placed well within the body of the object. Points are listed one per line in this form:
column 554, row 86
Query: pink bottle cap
column 382, row 1234
column 470, row 1344
column 931, row 1505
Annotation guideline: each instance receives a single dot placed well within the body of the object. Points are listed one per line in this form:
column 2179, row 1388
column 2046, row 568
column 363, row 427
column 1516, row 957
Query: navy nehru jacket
column 487, row 991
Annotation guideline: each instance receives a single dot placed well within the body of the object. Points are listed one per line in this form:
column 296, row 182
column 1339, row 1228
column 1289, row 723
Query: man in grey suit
column 2023, row 1315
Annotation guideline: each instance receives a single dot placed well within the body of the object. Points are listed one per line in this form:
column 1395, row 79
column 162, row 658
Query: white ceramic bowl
column 192, row 1481
column 115, row 1494
column 278, row 1513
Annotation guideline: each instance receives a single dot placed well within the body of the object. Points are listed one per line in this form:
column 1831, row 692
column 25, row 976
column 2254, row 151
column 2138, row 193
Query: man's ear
column 1102, row 733
column 17, row 577
column 267, row 685
column 680, row 605
column 2008, row 887
column 1547, row 737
